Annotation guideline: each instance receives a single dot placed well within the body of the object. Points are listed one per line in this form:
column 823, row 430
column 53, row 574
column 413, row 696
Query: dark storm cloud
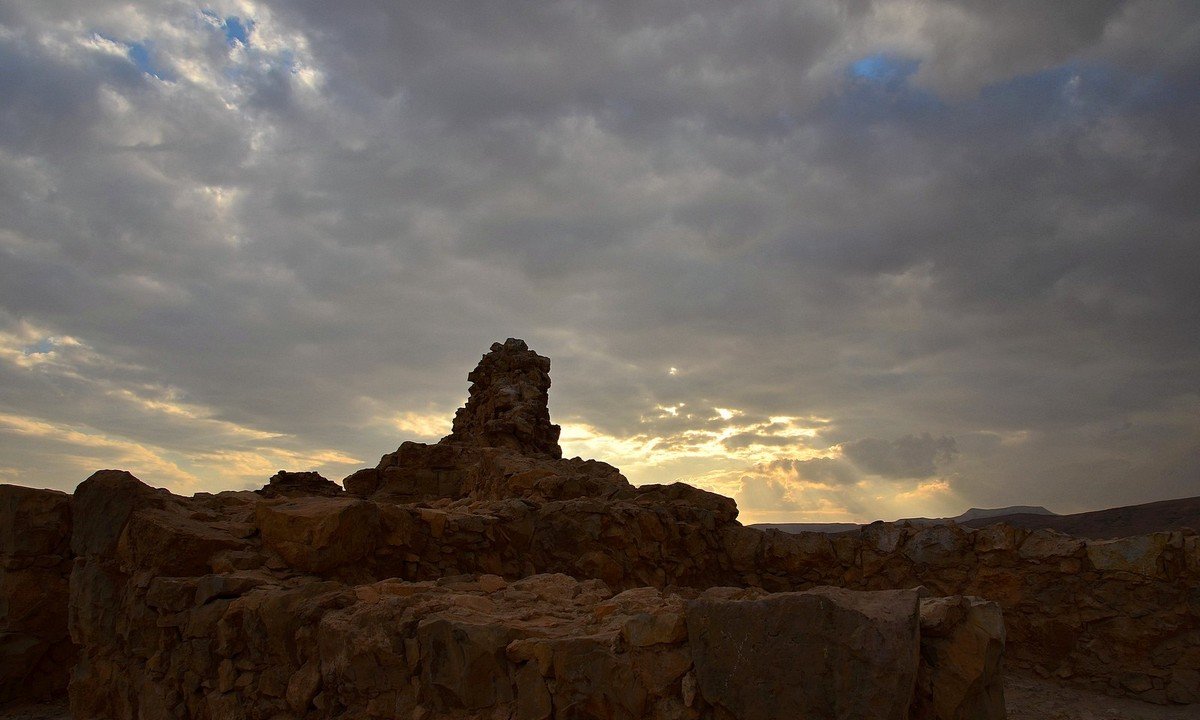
column 971, row 219
column 909, row 456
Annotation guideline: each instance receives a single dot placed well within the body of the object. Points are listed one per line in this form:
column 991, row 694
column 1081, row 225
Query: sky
column 838, row 260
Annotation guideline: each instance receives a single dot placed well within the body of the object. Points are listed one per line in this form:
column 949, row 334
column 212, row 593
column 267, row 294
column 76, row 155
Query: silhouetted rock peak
column 299, row 484
column 508, row 403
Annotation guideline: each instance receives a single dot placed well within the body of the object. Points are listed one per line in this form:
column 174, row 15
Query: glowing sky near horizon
column 840, row 261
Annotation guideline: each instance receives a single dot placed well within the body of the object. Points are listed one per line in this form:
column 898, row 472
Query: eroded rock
column 300, row 484
column 484, row 575
column 822, row 653
column 508, row 403
column 962, row 652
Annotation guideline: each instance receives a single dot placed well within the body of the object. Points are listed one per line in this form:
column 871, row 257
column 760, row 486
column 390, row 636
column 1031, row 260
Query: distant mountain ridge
column 1115, row 522
column 977, row 513
column 808, row 527
column 972, row 514
column 1124, row 521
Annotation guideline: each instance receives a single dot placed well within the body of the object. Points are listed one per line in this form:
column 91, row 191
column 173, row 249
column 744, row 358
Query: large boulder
column 824, row 653
column 962, row 653
column 170, row 542
column 103, row 504
column 34, row 523
column 317, row 534
column 416, row 472
column 299, row 484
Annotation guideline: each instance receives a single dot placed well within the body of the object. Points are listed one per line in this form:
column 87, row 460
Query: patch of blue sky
column 1080, row 90
column 885, row 69
column 237, row 30
column 877, row 89
column 143, row 56
column 41, row 347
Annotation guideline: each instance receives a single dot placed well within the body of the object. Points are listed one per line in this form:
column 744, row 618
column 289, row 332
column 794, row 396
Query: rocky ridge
column 485, row 576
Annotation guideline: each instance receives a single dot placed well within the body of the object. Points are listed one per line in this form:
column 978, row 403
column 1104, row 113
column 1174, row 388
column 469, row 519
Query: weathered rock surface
column 508, row 403
column 825, row 653
column 300, row 484
column 256, row 646
column 962, row 649
column 36, row 653
column 468, row 579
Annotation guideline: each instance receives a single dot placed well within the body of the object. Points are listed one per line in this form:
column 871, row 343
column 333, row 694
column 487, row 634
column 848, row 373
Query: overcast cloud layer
column 839, row 260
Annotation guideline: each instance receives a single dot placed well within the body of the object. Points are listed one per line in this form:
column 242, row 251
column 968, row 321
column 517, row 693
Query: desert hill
column 972, row 514
column 1118, row 522
column 1162, row 516
column 981, row 513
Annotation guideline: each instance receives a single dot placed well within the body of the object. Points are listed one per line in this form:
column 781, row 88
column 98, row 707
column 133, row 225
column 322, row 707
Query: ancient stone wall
column 1120, row 615
column 1085, row 611
column 183, row 610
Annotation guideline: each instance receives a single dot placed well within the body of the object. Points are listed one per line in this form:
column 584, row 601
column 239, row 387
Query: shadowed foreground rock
column 823, row 653
column 36, row 653
column 251, row 645
column 485, row 576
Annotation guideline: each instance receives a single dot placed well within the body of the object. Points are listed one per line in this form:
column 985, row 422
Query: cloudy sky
column 841, row 261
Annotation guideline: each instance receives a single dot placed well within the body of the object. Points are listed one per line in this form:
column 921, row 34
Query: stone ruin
column 486, row 577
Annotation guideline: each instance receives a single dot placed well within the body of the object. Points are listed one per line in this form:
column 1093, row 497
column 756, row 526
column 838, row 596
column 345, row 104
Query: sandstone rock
column 505, row 474
column 168, row 542
column 1142, row 555
column 529, row 652
column 417, row 471
column 832, row 653
column 463, row 665
column 102, row 505
column 645, row 629
column 319, row 534
column 299, row 484
column 714, row 510
column 1050, row 545
column 937, row 545
column 508, row 403
column 962, row 650
column 34, row 523
column 362, row 482
column 36, row 653
column 882, row 537
column 998, row 537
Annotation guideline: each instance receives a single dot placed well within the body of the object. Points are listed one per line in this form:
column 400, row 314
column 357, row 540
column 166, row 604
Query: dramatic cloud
column 841, row 260
column 911, row 456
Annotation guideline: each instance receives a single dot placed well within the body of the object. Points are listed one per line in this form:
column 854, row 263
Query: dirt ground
column 1032, row 698
column 1027, row 698
column 48, row 711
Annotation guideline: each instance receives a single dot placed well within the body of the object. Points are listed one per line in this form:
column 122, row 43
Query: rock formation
column 507, row 406
column 300, row 484
column 485, row 576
